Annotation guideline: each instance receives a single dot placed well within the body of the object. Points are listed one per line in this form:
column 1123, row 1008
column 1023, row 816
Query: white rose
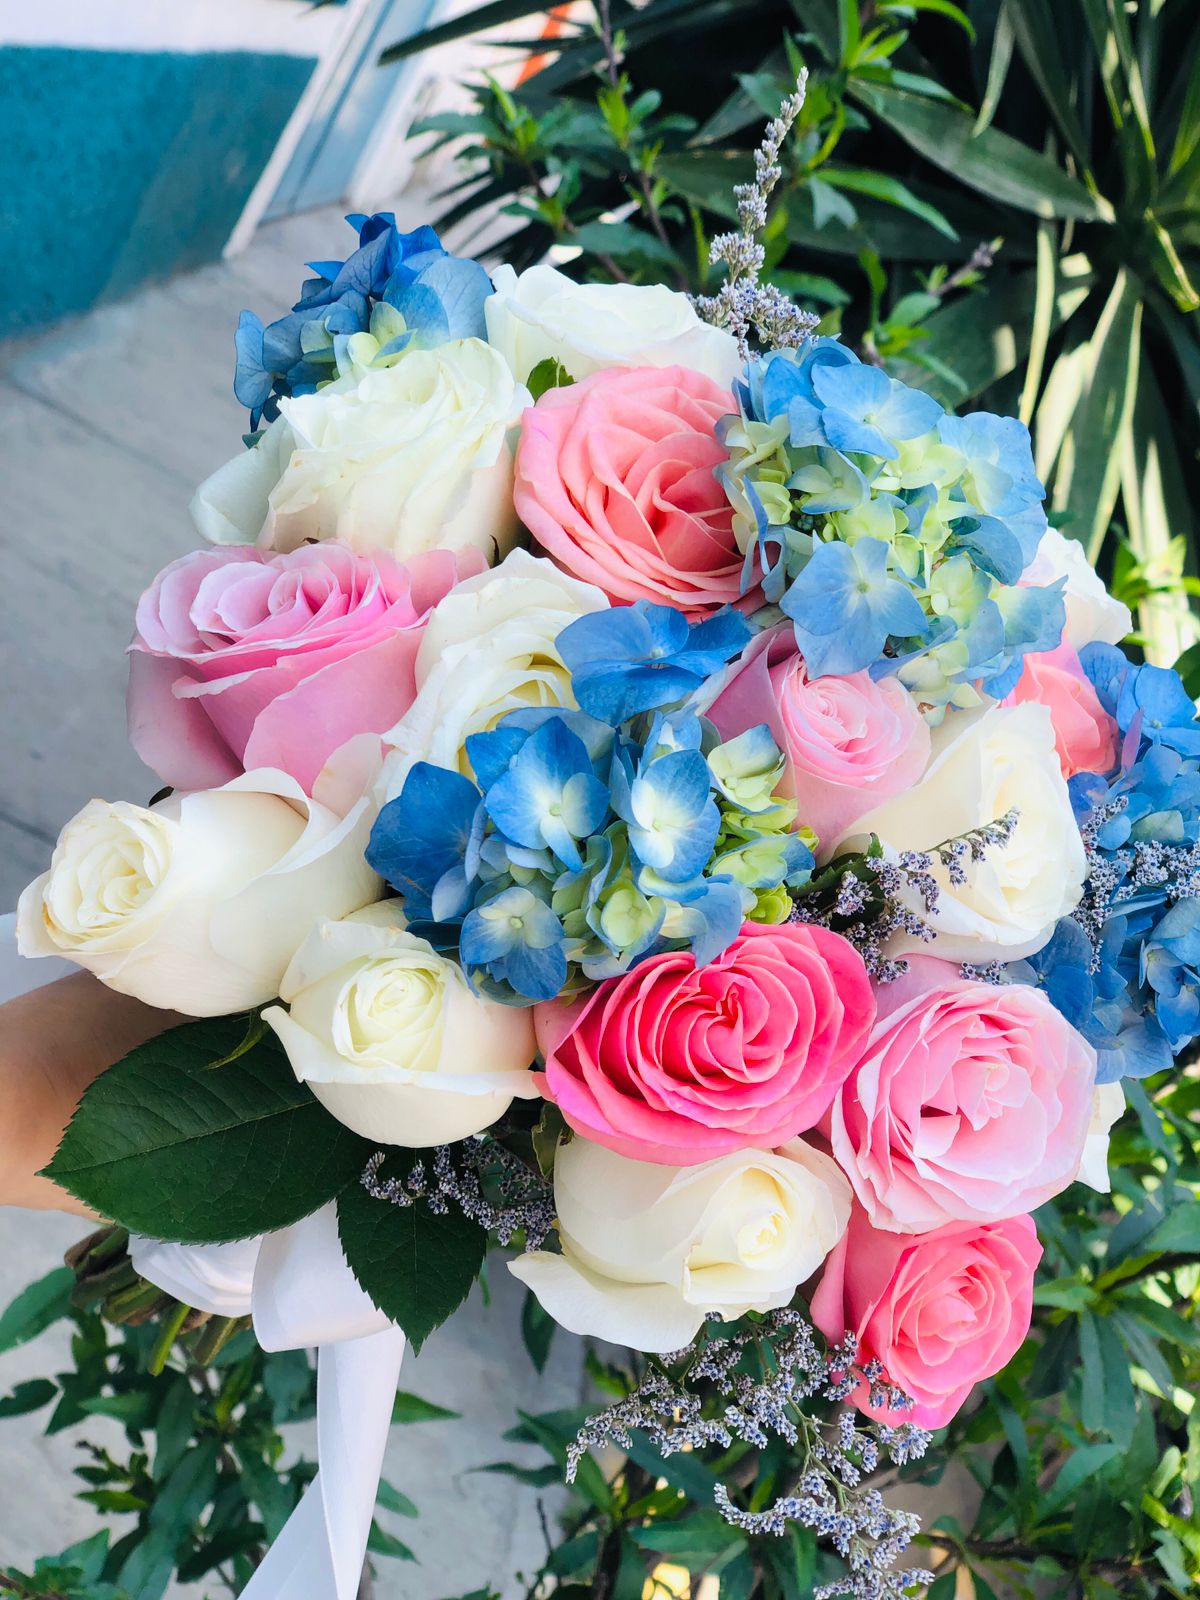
column 1108, row 1107
column 488, row 649
column 1092, row 613
column 390, row 1038
column 649, row 1250
column 587, row 327
column 983, row 767
column 197, row 904
column 405, row 458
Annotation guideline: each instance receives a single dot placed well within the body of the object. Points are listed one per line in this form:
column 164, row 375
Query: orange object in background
column 555, row 27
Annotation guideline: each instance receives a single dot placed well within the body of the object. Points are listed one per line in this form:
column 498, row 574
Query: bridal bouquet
column 648, row 790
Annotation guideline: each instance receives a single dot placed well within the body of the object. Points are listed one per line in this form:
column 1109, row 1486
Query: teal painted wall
column 117, row 167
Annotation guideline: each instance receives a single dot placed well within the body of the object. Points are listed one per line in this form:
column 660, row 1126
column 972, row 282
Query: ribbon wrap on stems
column 301, row 1293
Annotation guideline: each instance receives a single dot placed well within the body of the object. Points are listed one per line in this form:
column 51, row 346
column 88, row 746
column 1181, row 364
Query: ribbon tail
column 320, row 1553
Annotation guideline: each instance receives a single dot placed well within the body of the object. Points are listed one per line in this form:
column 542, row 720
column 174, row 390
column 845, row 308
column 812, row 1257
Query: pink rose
column 245, row 659
column 1085, row 736
column 615, row 480
column 676, row 1064
column 850, row 742
column 969, row 1101
column 940, row 1312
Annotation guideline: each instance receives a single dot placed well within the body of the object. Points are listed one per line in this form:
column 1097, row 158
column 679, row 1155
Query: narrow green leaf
column 1089, row 472
column 993, row 163
column 1043, row 319
column 942, row 8
column 168, row 1147
column 36, row 1307
column 849, row 31
column 537, row 1330
column 411, row 1408
column 468, row 22
column 390, row 1498
column 417, row 1267
column 382, row 1543
column 1037, row 39
column 998, row 64
column 890, row 190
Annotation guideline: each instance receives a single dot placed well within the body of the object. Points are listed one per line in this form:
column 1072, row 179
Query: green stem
column 168, row 1333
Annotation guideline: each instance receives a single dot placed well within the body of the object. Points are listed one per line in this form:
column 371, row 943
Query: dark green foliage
column 200, row 1135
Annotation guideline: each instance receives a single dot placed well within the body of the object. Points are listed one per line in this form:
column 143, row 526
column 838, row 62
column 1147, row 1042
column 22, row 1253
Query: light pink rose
column 969, row 1102
column 940, row 1312
column 850, row 742
column 615, row 480
column 1085, row 736
column 676, row 1064
column 243, row 659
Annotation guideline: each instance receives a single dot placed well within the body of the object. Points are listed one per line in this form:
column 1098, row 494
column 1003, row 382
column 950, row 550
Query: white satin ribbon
column 301, row 1292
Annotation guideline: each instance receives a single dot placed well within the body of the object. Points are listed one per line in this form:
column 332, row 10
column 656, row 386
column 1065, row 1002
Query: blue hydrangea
column 578, row 847
column 893, row 534
column 1125, row 968
column 628, row 659
column 394, row 290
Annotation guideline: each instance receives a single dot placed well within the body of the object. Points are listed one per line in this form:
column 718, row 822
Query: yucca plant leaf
column 1037, row 39
column 999, row 62
column 1043, row 321
column 1088, row 477
column 991, row 162
column 1158, row 513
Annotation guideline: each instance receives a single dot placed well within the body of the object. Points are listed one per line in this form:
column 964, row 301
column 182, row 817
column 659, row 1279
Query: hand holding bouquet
column 673, row 808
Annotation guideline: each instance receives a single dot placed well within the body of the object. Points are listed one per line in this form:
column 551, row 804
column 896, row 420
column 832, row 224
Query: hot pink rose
column 615, row 480
column 677, row 1064
column 850, row 742
column 1085, row 736
column 969, row 1101
column 246, row 659
column 940, row 1312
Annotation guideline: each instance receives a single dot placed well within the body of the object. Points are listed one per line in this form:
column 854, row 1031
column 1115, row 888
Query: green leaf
column 1083, row 1463
column 270, row 1494
column 990, row 161
column 382, row 1543
column 890, row 190
column 390, row 1499
column 170, row 1148
column 411, row 1408
column 548, row 374
column 626, row 242
column 29, row 1396
column 1037, row 39
column 702, row 1536
column 1088, row 478
column 417, row 1267
column 537, row 1330
column 150, row 1564
column 1108, row 1404
column 36, row 1307
column 998, row 64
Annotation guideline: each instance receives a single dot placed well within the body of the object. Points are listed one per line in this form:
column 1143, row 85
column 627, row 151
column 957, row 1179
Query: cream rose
column 586, row 327
column 391, row 1039
column 983, row 767
column 488, row 649
column 648, row 1251
column 1092, row 613
column 197, row 904
column 405, row 458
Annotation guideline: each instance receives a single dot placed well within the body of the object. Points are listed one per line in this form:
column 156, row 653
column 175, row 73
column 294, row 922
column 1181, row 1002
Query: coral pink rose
column 1085, row 736
column 850, row 742
column 615, row 480
column 676, row 1063
column 969, row 1101
column 940, row 1312
column 245, row 659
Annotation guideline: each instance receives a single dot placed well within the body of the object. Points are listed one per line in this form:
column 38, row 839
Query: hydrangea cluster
column 892, row 533
column 585, row 839
column 396, row 290
column 1125, row 967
